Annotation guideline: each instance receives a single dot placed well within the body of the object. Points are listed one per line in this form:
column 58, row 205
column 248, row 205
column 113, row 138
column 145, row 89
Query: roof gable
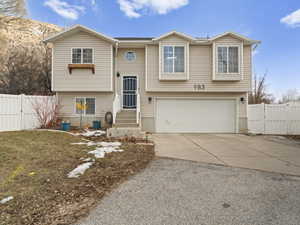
column 76, row 29
column 235, row 35
column 182, row 35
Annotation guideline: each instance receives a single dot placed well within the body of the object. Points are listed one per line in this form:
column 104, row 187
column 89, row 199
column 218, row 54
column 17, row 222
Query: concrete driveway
column 268, row 153
column 180, row 192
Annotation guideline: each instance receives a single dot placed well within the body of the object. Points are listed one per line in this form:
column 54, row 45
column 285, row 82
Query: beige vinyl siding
column 82, row 79
column 174, row 40
column 67, row 101
column 200, row 71
column 148, row 108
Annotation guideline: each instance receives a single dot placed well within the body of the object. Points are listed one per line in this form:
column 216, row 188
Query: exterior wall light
column 149, row 99
column 242, row 99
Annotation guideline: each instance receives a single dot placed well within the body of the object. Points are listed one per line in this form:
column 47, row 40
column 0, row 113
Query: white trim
column 174, row 33
column 240, row 61
column 160, row 60
column 238, row 36
column 52, row 71
column 81, row 58
column 163, row 59
column 236, row 99
column 84, row 114
column 112, row 68
column 214, row 61
column 187, row 60
column 146, row 68
column 79, row 27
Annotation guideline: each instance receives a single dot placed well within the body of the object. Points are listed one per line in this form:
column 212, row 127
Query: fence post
column 264, row 120
column 22, row 111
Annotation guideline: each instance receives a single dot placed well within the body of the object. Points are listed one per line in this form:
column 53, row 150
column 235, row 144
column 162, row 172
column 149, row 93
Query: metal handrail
column 138, row 108
column 116, row 107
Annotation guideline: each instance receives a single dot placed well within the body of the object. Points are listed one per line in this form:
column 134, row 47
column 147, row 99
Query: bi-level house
column 170, row 83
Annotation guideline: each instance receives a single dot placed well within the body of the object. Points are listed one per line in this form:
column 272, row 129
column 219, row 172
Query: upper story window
column 130, row 56
column 228, row 59
column 82, row 55
column 173, row 59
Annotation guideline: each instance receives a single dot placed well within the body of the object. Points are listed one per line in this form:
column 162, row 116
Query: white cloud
column 65, row 9
column 135, row 8
column 293, row 19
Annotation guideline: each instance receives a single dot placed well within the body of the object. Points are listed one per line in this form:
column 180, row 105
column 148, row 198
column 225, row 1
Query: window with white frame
column 228, row 59
column 173, row 59
column 82, row 55
column 85, row 105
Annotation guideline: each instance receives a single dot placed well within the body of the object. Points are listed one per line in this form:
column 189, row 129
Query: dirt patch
column 34, row 168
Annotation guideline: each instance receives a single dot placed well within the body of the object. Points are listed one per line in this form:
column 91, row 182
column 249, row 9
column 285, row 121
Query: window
column 228, row 59
column 86, row 106
column 82, row 55
column 130, row 56
column 173, row 57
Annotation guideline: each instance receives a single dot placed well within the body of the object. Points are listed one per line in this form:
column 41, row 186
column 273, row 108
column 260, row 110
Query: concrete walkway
column 268, row 153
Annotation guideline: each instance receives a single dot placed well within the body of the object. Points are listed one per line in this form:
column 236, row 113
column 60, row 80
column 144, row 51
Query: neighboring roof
column 190, row 38
column 239, row 36
column 79, row 28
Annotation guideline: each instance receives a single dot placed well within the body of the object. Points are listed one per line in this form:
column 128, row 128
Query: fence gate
column 17, row 111
column 281, row 119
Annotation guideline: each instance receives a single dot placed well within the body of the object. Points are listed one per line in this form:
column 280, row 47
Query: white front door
column 196, row 115
column 129, row 89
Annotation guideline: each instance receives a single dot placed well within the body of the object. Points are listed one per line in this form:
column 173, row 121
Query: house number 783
column 198, row 87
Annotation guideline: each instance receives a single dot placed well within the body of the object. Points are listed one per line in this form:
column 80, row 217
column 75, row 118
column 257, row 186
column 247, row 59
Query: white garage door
column 195, row 115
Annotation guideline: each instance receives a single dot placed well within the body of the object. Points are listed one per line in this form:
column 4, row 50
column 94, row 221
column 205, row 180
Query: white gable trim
column 80, row 28
column 238, row 36
column 175, row 33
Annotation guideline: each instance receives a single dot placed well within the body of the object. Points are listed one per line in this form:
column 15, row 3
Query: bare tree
column 47, row 111
column 27, row 71
column 259, row 93
column 13, row 7
column 291, row 95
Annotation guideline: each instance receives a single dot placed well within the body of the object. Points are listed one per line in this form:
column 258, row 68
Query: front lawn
column 34, row 167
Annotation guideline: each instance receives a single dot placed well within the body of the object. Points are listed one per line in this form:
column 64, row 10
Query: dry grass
column 34, row 167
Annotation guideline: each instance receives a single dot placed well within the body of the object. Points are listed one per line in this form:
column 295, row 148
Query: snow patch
column 93, row 133
column 100, row 152
column 79, row 170
column 7, row 199
column 104, row 144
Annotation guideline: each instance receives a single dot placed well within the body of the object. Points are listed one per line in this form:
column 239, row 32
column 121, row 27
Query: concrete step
column 125, row 120
column 129, row 112
column 126, row 131
column 126, row 125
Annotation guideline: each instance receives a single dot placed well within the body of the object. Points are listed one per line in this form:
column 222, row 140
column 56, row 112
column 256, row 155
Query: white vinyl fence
column 17, row 111
column 283, row 119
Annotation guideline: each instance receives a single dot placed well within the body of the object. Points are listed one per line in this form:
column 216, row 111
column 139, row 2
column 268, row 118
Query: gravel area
column 172, row 192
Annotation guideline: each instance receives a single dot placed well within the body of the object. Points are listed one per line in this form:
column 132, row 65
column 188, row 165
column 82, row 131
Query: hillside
column 25, row 61
column 18, row 32
column 24, row 31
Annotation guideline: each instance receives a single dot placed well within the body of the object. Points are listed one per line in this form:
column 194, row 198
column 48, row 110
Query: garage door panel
column 195, row 115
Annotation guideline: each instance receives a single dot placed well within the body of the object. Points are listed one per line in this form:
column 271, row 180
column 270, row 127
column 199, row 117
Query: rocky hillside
column 22, row 31
column 17, row 32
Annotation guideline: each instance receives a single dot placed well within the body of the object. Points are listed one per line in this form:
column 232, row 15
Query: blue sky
column 275, row 22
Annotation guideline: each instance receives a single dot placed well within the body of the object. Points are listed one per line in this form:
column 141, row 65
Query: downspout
column 116, row 68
